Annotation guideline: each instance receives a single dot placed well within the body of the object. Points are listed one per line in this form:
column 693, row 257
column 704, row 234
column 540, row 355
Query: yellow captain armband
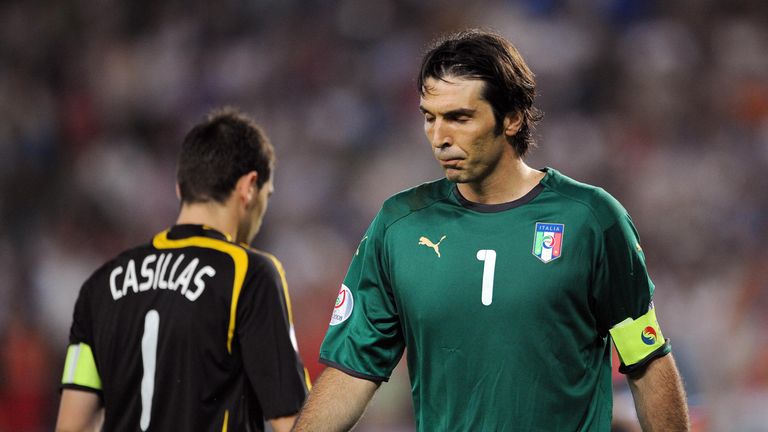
column 80, row 367
column 638, row 341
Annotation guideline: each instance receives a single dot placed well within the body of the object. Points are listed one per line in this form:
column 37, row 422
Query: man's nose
column 441, row 136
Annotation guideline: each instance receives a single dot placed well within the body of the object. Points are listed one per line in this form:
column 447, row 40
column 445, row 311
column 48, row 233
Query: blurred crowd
column 664, row 104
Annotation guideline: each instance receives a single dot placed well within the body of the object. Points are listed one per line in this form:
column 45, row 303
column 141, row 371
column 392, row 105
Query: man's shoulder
column 262, row 260
column 243, row 255
column 414, row 199
column 116, row 265
column 605, row 208
column 121, row 258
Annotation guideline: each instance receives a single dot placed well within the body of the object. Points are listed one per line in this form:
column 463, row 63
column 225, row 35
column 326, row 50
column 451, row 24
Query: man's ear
column 247, row 187
column 512, row 123
column 178, row 192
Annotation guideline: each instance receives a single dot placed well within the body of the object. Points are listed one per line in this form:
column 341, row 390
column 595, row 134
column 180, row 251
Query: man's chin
column 454, row 176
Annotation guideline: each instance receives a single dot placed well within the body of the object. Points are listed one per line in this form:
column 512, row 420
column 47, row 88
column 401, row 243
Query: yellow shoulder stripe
column 283, row 281
column 226, row 421
column 239, row 257
column 307, row 380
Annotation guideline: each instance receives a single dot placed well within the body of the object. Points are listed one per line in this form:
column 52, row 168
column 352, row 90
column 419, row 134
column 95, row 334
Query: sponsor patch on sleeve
column 343, row 307
column 636, row 339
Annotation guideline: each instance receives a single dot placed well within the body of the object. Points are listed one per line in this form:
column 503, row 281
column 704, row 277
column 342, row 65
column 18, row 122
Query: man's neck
column 217, row 216
column 509, row 181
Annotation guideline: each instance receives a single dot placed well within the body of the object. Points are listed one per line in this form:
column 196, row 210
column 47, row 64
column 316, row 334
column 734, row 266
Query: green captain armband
column 638, row 341
column 80, row 368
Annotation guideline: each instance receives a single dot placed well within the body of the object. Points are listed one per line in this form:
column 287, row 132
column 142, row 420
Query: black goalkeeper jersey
column 191, row 333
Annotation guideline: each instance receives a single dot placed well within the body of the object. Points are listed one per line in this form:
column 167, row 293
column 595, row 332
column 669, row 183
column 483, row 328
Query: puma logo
column 428, row 243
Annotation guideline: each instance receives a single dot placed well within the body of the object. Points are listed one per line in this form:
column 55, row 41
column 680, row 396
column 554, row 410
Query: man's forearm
column 660, row 397
column 79, row 411
column 336, row 402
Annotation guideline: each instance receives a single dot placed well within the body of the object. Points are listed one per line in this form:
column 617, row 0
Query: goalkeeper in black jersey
column 192, row 330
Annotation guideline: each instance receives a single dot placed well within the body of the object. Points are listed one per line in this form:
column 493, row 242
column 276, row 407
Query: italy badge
column 548, row 241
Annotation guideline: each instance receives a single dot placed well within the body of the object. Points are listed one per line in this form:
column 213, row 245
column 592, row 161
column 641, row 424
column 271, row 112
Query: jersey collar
column 188, row 230
column 495, row 208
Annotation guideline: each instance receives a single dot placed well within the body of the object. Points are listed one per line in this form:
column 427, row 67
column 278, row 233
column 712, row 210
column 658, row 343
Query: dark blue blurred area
column 664, row 104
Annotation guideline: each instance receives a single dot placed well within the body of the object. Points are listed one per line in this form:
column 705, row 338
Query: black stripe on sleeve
column 640, row 366
column 81, row 388
column 356, row 374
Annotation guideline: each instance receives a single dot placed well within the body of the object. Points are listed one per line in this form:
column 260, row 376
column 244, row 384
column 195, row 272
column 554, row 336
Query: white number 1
column 149, row 360
column 488, row 256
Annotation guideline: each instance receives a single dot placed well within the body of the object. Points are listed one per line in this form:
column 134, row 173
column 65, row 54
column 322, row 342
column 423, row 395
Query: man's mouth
column 450, row 163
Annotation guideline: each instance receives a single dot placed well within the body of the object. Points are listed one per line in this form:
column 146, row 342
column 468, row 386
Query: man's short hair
column 217, row 152
column 509, row 83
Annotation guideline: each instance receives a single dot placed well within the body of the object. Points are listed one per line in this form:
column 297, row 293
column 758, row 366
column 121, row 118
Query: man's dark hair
column 220, row 150
column 509, row 83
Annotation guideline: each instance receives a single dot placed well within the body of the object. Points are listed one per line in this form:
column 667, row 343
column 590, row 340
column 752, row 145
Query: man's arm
column 336, row 402
column 660, row 397
column 79, row 411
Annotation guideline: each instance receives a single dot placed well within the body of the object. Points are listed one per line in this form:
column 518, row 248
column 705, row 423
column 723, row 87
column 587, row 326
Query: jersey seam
column 386, row 232
column 413, row 211
column 585, row 204
column 591, row 209
column 593, row 212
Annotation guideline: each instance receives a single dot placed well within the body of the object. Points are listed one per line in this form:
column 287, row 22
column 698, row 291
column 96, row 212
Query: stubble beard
column 458, row 175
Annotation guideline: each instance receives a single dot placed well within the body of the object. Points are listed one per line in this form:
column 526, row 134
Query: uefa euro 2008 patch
column 548, row 241
column 345, row 303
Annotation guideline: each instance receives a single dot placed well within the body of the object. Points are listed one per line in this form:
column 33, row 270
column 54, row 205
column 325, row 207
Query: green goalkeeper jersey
column 506, row 310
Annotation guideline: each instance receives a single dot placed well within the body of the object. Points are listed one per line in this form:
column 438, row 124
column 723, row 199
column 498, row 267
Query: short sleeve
column 264, row 331
column 624, row 293
column 80, row 367
column 364, row 338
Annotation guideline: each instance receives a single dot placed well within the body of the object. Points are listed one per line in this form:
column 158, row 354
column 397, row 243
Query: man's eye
column 460, row 119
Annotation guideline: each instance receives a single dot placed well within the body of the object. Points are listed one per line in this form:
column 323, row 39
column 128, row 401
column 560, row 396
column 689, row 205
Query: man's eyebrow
column 452, row 113
column 459, row 112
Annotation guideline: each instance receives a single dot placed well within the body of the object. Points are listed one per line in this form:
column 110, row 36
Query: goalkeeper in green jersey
column 507, row 284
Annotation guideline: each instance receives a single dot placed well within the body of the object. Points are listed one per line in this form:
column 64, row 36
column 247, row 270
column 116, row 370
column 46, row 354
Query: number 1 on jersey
column 488, row 256
column 149, row 360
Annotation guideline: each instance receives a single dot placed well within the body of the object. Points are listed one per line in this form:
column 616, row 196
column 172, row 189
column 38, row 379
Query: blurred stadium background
column 665, row 104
